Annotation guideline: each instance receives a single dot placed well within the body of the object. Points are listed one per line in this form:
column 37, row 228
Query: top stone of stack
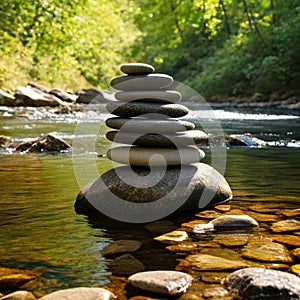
column 140, row 77
column 137, row 69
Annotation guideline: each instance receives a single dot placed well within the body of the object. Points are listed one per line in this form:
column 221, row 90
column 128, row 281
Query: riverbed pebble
column 121, row 246
column 172, row 237
column 11, row 278
column 264, row 284
column 286, row 226
column 19, row 295
column 162, row 282
column 206, row 262
column 267, row 251
column 126, row 264
column 80, row 293
column 234, row 222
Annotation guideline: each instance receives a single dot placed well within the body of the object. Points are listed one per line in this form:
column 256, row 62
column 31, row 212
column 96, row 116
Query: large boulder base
column 260, row 283
column 197, row 181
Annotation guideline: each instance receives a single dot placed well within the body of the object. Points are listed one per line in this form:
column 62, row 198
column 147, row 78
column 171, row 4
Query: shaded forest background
column 225, row 47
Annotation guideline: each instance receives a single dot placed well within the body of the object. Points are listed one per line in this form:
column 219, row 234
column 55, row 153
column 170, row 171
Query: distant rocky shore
column 36, row 95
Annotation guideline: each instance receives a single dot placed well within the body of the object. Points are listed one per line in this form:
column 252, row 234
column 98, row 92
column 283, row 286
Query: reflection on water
column 40, row 230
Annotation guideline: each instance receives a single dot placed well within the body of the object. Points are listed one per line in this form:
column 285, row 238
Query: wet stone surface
column 267, row 251
column 259, row 283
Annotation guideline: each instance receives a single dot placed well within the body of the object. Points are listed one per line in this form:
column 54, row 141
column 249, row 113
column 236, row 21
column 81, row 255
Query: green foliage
column 227, row 47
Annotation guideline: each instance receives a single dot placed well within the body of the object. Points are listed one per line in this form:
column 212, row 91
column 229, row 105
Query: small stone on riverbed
column 290, row 240
column 264, row 284
column 121, row 246
column 126, row 264
column 162, row 282
column 267, row 251
column 19, row 295
column 172, row 237
column 80, row 293
column 205, row 262
column 234, row 222
column 286, row 226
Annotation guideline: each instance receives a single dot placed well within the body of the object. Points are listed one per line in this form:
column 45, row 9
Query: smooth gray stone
column 149, row 125
column 80, row 293
column 191, row 137
column 153, row 96
column 137, row 68
column 139, row 156
column 162, row 282
column 186, row 188
column 264, row 284
column 137, row 108
column 154, row 81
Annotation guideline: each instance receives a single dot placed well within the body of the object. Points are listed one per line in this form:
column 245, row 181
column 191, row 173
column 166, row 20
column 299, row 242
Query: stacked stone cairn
column 159, row 149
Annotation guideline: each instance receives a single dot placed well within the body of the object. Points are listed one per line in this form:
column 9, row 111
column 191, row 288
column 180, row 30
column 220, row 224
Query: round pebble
column 149, row 125
column 155, row 140
column 137, row 108
column 138, row 156
column 154, row 96
column 137, row 68
column 141, row 82
column 162, row 282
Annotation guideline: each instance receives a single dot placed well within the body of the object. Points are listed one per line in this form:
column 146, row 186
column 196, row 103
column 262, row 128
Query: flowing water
column 39, row 229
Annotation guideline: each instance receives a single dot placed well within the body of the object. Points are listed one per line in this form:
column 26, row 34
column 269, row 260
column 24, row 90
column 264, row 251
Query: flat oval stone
column 137, row 108
column 162, row 282
column 267, row 251
column 234, row 222
column 80, row 293
column 139, row 156
column 172, row 237
column 141, row 82
column 121, row 246
column 286, row 226
column 190, row 182
column 264, row 284
column 205, row 262
column 126, row 264
column 137, row 68
column 153, row 140
column 153, row 96
column 149, row 125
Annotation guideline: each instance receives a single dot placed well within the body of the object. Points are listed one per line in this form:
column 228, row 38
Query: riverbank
column 36, row 95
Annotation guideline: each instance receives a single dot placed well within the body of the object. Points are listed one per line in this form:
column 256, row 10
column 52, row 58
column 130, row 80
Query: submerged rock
column 14, row 278
column 285, row 226
column 234, row 222
column 19, row 295
column 172, row 237
column 205, row 262
column 286, row 239
column 126, row 264
column 80, row 293
column 162, row 282
column 267, row 251
column 179, row 189
column 264, row 284
column 121, row 246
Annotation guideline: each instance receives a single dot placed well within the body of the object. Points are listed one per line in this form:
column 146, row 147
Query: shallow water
column 41, row 231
